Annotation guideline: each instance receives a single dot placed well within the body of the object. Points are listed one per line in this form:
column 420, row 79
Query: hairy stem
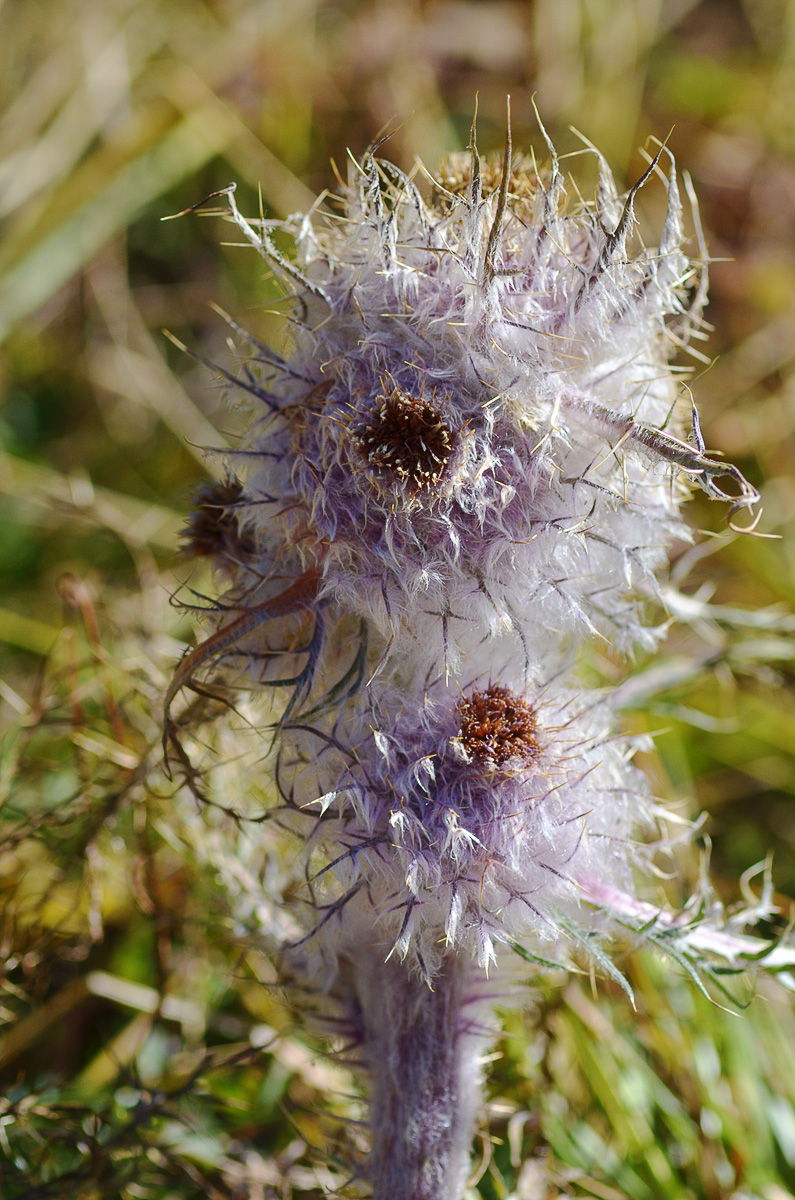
column 423, row 1054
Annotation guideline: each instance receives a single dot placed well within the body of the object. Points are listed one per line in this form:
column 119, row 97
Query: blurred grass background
column 141, row 1053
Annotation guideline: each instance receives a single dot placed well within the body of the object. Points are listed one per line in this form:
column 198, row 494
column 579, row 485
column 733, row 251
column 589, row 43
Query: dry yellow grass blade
column 27, row 285
column 157, row 118
column 140, row 523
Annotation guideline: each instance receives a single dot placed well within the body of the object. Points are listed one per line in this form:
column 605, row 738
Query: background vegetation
column 143, row 1052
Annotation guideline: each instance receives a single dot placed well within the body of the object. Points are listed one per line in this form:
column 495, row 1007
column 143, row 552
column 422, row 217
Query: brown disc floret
column 406, row 440
column 212, row 530
column 497, row 725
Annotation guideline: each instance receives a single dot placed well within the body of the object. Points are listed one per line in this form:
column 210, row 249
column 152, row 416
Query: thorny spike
column 671, row 236
column 698, row 437
column 410, row 188
column 474, row 160
column 371, row 192
column 699, row 301
column 616, row 242
column 272, row 357
column 552, row 194
column 614, row 247
column 608, row 206
column 502, row 200
column 607, row 195
column 266, row 249
column 473, row 198
column 247, row 385
column 370, row 170
column 267, row 355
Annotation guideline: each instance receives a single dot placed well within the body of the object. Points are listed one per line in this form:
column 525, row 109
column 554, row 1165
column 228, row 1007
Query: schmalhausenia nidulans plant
column 468, row 461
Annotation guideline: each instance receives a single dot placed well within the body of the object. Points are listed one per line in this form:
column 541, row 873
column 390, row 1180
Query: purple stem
column 423, row 1055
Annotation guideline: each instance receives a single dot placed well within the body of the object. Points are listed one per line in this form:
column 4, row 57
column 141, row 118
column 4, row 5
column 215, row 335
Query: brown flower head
column 497, row 725
column 406, row 440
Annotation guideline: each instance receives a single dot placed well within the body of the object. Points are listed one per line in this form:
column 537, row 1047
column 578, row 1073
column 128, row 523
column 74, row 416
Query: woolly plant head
column 465, row 819
column 477, row 423
column 469, row 463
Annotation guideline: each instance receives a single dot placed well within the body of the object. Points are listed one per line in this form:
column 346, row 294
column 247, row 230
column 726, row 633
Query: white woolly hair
column 428, row 844
column 477, row 430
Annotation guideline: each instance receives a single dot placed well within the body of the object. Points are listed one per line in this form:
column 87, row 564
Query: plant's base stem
column 423, row 1054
